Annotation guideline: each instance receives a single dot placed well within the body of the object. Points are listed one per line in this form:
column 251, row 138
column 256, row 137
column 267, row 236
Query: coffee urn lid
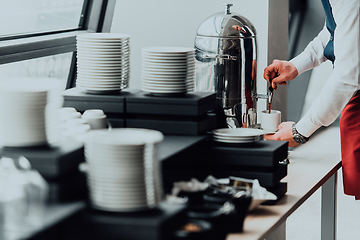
column 228, row 25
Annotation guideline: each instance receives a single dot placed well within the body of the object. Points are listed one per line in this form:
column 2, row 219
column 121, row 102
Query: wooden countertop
column 311, row 165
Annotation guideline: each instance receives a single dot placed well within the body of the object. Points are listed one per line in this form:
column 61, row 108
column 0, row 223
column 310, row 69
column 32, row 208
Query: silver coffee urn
column 226, row 63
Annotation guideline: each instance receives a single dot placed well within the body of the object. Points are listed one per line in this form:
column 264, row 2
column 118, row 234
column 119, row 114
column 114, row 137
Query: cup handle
column 83, row 167
column 109, row 125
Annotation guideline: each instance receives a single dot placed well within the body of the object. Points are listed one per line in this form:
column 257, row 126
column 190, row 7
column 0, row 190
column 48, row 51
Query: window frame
column 97, row 16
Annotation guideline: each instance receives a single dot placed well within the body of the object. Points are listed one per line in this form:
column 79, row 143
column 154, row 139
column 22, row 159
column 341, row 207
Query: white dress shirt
column 344, row 80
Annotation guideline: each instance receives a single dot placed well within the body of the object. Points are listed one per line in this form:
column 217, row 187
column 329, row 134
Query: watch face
column 299, row 139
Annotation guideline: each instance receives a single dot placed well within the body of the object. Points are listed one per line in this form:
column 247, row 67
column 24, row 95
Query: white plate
column 99, row 80
column 165, row 55
column 164, row 83
column 114, row 163
column 117, row 154
column 169, row 50
column 172, row 59
column 119, row 209
column 99, row 72
column 168, row 61
column 126, row 136
column 101, row 50
column 109, row 63
column 154, row 61
column 119, row 198
column 104, row 146
column 103, row 56
column 166, row 78
column 106, row 58
column 164, row 87
column 104, row 62
column 167, row 69
column 111, row 55
column 130, row 184
column 160, row 78
column 102, row 69
column 162, row 90
column 175, row 68
column 116, row 187
column 102, row 36
column 96, row 79
column 113, row 205
column 238, row 132
column 97, row 89
column 119, row 195
column 98, row 86
column 102, row 43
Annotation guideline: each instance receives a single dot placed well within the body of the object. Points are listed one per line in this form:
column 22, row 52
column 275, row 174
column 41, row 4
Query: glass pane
column 33, row 16
column 56, row 66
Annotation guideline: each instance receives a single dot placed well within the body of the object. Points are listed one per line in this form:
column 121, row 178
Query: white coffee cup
column 270, row 121
column 95, row 118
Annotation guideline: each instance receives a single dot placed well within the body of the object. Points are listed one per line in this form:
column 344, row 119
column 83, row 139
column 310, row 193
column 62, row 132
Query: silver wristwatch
column 297, row 136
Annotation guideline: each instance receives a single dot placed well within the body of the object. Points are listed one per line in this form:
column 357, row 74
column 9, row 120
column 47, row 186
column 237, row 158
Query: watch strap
column 298, row 137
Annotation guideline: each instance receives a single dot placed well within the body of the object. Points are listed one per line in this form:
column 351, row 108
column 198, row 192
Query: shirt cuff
column 306, row 127
column 301, row 62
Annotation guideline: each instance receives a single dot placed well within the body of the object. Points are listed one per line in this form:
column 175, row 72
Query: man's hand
column 285, row 70
column 284, row 134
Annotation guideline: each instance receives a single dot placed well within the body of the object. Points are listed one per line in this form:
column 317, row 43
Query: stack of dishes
column 122, row 172
column 168, row 70
column 28, row 109
column 238, row 135
column 102, row 62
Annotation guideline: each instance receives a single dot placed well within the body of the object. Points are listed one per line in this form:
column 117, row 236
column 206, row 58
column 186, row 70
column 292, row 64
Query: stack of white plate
column 28, row 109
column 122, row 172
column 168, row 70
column 103, row 62
column 238, row 135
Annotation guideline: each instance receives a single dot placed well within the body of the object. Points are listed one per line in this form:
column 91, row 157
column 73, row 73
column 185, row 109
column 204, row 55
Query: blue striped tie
column 330, row 25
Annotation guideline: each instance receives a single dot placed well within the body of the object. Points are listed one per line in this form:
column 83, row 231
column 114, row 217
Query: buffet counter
column 312, row 166
column 58, row 213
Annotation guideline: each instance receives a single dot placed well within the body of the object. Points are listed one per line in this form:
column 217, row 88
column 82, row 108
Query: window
column 55, row 66
column 25, row 47
column 34, row 16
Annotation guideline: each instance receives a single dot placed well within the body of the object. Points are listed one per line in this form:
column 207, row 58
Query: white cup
column 270, row 121
column 95, row 118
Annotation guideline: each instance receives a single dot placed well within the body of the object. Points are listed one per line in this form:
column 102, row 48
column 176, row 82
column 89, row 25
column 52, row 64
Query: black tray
column 155, row 224
column 279, row 190
column 52, row 162
column 68, row 189
column 109, row 103
column 259, row 154
column 116, row 122
column 175, row 127
column 191, row 104
column 266, row 177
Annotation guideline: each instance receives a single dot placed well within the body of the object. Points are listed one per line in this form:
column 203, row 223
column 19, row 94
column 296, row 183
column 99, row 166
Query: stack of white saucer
column 103, row 62
column 238, row 135
column 122, row 172
column 28, row 109
column 168, row 70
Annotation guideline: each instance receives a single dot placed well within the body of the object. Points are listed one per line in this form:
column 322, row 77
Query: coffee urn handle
column 221, row 56
column 228, row 6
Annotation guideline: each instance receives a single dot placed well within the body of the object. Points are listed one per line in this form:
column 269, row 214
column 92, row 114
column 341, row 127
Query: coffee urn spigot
column 226, row 63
